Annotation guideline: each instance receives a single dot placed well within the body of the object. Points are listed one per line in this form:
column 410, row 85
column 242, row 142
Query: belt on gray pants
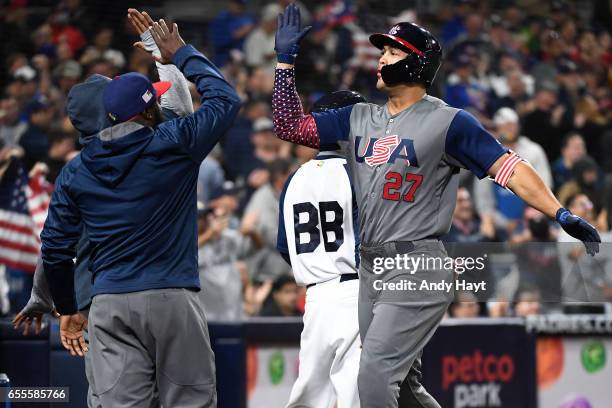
column 394, row 247
column 343, row 278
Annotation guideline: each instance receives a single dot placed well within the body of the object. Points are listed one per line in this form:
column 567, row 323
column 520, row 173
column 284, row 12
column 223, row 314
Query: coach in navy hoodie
column 134, row 188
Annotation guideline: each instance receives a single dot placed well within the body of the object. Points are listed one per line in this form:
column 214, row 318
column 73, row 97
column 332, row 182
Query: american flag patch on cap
column 147, row 96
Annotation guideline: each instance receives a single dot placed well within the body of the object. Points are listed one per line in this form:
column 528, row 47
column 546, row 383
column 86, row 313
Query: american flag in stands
column 38, row 195
column 23, row 209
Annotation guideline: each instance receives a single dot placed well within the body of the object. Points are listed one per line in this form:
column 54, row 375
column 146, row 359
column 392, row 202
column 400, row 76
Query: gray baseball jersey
column 405, row 166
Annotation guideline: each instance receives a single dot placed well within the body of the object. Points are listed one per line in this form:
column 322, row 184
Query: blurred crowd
column 538, row 75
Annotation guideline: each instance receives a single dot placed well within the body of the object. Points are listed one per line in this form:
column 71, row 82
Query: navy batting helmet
column 424, row 54
column 336, row 100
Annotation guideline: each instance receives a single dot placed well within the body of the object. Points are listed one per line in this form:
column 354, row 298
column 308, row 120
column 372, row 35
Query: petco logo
column 477, row 379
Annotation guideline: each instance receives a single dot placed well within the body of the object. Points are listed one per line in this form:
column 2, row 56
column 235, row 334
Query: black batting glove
column 289, row 34
column 579, row 229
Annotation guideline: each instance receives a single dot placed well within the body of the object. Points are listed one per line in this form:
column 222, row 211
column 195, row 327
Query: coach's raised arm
column 219, row 102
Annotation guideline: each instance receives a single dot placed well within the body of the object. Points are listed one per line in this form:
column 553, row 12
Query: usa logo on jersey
column 386, row 150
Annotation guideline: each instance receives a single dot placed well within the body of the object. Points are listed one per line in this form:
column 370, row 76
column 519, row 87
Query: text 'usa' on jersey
column 318, row 221
column 405, row 166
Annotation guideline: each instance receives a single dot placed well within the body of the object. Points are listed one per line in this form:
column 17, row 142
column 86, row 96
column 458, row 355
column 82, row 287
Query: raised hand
column 289, row 34
column 579, row 229
column 141, row 23
column 167, row 41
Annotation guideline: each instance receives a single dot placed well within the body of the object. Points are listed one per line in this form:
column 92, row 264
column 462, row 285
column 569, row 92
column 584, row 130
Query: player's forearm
column 59, row 239
column 529, row 186
column 290, row 123
column 178, row 97
column 219, row 106
column 58, row 268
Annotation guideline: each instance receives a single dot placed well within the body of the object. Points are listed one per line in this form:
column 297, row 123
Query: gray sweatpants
column 395, row 324
column 141, row 342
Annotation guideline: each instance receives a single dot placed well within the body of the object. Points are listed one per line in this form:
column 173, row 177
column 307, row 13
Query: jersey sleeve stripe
column 507, row 169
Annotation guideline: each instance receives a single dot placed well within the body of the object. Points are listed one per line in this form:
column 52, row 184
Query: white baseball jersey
column 318, row 224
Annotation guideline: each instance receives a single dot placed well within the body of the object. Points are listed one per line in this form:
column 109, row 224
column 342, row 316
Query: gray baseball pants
column 92, row 398
column 395, row 324
column 150, row 348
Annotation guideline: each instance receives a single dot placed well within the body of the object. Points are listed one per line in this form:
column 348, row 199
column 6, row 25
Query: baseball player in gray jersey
column 405, row 157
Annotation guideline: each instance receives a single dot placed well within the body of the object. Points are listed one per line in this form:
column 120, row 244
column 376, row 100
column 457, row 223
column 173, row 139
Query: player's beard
column 157, row 115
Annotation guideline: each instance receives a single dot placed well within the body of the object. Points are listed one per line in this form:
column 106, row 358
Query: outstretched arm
column 290, row 123
column 469, row 145
column 525, row 182
column 199, row 132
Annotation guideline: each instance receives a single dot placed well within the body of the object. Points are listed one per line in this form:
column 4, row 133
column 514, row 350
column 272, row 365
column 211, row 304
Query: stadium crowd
column 538, row 75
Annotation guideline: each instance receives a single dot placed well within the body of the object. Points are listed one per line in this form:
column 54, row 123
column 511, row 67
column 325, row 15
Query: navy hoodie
column 85, row 110
column 134, row 188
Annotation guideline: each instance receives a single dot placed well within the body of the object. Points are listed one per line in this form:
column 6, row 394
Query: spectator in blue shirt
column 573, row 149
column 461, row 90
column 35, row 140
column 455, row 26
column 466, row 225
column 229, row 29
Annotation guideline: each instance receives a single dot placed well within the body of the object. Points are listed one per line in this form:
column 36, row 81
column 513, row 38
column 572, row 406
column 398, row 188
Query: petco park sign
column 477, row 378
column 482, row 364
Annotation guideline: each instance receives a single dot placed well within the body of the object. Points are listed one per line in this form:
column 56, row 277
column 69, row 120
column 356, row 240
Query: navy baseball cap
column 37, row 104
column 129, row 94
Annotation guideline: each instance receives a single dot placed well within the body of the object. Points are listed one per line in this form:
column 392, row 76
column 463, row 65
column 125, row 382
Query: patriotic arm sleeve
column 471, row 145
column 291, row 124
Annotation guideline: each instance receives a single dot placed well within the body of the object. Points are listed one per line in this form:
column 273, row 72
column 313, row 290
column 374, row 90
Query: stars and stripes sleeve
column 291, row 124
